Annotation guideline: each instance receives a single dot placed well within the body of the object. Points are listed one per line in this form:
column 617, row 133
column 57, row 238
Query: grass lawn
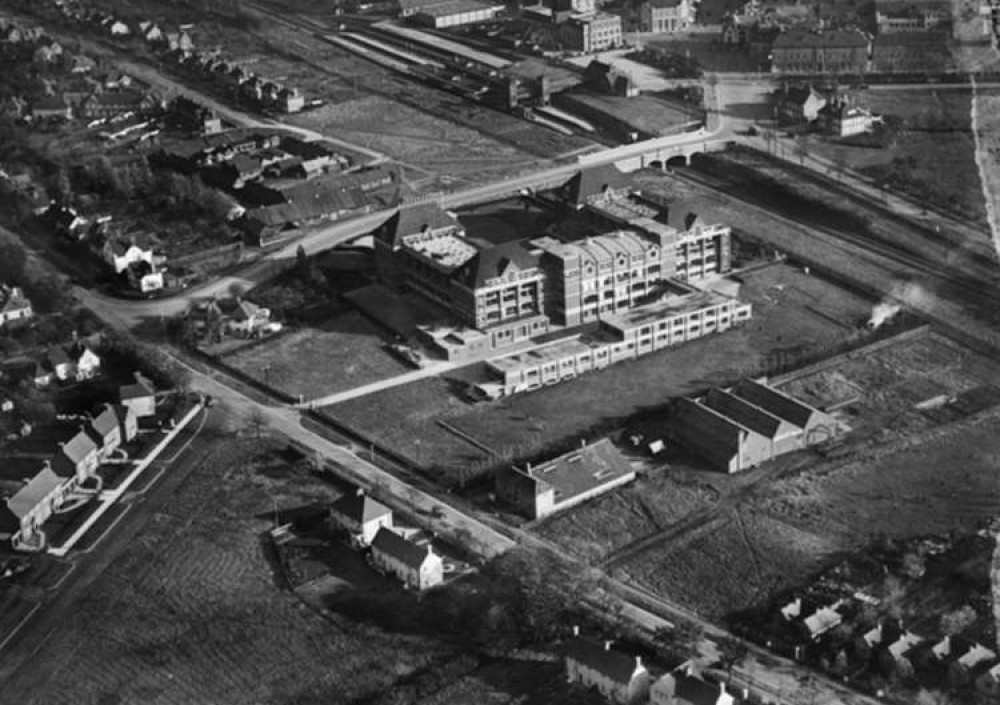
column 342, row 353
column 791, row 310
column 935, row 140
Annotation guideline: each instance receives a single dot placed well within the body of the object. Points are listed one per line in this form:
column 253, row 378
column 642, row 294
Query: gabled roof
column 804, row 39
column 594, row 180
column 57, row 356
column 690, row 689
column 775, row 402
column 78, row 448
column 389, row 542
column 360, row 508
column 411, row 220
column 499, row 260
column 34, row 491
column 613, row 664
column 744, row 413
column 106, row 422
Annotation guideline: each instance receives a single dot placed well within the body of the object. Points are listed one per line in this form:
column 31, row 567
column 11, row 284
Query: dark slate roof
column 497, row 260
column 743, row 412
column 57, row 356
column 594, row 180
column 360, row 508
column 919, row 39
column 78, row 447
column 802, row 39
column 106, row 422
column 412, row 219
column 775, row 402
column 693, row 690
column 142, row 387
column 389, row 542
column 613, row 664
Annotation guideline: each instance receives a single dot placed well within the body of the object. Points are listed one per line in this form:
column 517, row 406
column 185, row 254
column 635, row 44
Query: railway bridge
column 657, row 153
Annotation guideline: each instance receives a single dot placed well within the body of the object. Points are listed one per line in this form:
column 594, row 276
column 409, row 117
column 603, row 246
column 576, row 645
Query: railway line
column 975, row 289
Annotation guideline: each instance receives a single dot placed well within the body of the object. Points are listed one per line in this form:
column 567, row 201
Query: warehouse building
column 745, row 426
column 453, row 13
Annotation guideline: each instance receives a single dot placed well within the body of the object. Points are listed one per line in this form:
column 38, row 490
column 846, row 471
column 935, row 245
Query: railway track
column 975, row 289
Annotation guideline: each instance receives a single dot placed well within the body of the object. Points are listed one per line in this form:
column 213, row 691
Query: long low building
column 740, row 428
column 565, row 481
column 679, row 317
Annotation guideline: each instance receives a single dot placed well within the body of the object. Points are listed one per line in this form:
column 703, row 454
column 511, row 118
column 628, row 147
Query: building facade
column 799, row 51
column 361, row 517
column 591, row 32
column 416, row 566
column 619, row 678
column 665, row 16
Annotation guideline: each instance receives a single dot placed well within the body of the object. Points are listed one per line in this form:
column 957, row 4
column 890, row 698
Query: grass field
column 935, row 140
column 792, row 310
column 344, row 352
column 191, row 612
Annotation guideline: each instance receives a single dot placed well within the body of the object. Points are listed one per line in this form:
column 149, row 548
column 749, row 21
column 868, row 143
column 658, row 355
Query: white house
column 619, row 678
column 77, row 458
column 86, row 363
column 14, row 305
column 26, row 510
column 121, row 253
column 140, row 396
column 417, row 566
column 239, row 316
column 823, row 620
column 58, row 364
column 360, row 516
column 682, row 687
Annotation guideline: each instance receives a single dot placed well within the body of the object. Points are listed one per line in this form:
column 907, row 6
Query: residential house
column 290, row 100
column 51, row 107
column 41, row 374
column 77, row 458
column 143, row 277
column 14, row 108
column 238, row 316
column 14, row 305
column 360, row 516
column 48, row 53
column 179, row 41
column 115, row 80
column 86, row 363
column 112, row 104
column 621, row 679
column 117, row 28
column 150, row 32
column 59, row 364
column 798, row 104
column 416, row 566
column 800, row 51
column 892, row 16
column 139, row 396
column 105, row 431
column 120, row 252
column 841, row 119
column 565, row 481
column 81, row 64
column 65, row 220
column 900, row 649
column 665, row 16
column 25, row 511
column 683, row 687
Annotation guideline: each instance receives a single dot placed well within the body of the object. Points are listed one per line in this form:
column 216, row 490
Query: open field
column 792, row 311
column 988, row 155
column 191, row 611
column 935, row 139
column 341, row 353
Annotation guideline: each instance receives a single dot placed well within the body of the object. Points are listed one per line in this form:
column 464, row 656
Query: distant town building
column 682, row 687
column 14, row 305
column 910, row 52
column 360, row 516
column 911, row 15
column 416, row 566
column 591, row 32
column 621, row 679
column 801, row 51
column 800, row 104
column 666, row 16
column 841, row 119
column 453, row 13
column 563, row 482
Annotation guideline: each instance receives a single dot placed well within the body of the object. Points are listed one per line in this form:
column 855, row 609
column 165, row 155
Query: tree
column 914, row 565
column 958, row 621
column 12, row 259
column 255, row 421
column 732, row 652
column 302, row 265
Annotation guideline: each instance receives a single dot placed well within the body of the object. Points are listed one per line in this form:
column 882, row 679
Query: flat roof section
column 668, row 307
column 443, row 247
column 441, row 44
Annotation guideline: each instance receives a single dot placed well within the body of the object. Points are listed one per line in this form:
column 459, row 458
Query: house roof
column 664, row 4
column 389, row 542
column 594, row 180
column 775, row 402
column 49, row 102
column 360, row 508
column 823, row 619
column 798, row 95
column 34, row 492
column 498, row 260
column 919, row 39
column 57, row 356
column 413, row 219
column 690, row 689
column 833, row 39
column 78, row 447
column 613, row 664
column 106, row 422
column 12, row 299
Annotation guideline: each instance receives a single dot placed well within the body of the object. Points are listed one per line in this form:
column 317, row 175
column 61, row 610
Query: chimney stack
column 583, row 442
column 607, row 645
column 576, row 630
column 528, row 469
column 360, row 492
column 638, row 661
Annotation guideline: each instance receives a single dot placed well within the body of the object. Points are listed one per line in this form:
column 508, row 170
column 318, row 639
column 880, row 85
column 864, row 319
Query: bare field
column 731, row 565
column 600, row 527
column 792, row 311
column 190, row 612
column 343, row 352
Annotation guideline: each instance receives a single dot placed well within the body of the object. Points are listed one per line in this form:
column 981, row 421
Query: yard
column 341, row 353
column 792, row 312
column 192, row 611
column 935, row 140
